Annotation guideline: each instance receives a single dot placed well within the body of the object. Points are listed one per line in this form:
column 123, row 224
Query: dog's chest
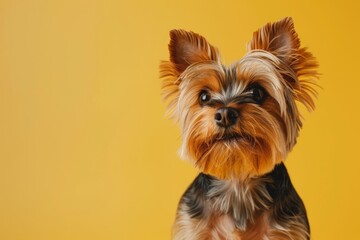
column 224, row 228
column 238, row 210
column 242, row 202
column 230, row 210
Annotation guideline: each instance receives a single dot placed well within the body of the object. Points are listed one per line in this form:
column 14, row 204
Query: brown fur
column 238, row 210
column 265, row 132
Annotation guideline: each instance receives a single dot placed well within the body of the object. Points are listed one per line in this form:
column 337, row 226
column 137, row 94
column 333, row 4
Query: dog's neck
column 241, row 199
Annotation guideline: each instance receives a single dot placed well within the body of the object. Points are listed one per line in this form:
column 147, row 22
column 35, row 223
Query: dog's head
column 239, row 120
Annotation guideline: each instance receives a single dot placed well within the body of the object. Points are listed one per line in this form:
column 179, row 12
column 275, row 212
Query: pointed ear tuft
column 187, row 48
column 279, row 38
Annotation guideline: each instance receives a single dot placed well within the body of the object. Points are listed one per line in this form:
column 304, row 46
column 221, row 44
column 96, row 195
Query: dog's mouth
column 233, row 137
column 228, row 137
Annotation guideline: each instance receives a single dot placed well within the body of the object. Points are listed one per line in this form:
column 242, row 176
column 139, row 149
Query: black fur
column 285, row 204
column 195, row 196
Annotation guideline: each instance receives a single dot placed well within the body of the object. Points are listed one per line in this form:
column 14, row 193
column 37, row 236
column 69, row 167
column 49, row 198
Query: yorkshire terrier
column 238, row 124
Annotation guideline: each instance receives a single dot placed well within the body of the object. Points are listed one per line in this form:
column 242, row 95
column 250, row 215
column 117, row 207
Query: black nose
column 225, row 117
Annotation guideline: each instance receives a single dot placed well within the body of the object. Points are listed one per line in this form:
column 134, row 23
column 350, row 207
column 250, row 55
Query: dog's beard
column 250, row 148
column 234, row 156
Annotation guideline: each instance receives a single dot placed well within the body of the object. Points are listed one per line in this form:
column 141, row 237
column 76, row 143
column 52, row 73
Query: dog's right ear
column 185, row 48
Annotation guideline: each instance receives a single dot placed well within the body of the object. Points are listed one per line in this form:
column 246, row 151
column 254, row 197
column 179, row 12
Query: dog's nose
column 226, row 116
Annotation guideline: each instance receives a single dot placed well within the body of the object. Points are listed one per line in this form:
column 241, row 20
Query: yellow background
column 85, row 149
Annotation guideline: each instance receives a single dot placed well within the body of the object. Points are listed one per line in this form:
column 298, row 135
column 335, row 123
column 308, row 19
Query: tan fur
column 217, row 224
column 283, row 71
column 265, row 132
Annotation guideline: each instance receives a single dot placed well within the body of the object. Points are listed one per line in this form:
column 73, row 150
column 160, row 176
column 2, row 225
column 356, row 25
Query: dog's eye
column 204, row 97
column 257, row 94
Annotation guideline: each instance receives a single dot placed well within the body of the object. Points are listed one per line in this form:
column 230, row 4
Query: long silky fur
column 244, row 191
column 266, row 207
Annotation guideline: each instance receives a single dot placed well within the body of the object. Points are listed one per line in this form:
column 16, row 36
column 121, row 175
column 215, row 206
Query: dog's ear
column 279, row 38
column 187, row 48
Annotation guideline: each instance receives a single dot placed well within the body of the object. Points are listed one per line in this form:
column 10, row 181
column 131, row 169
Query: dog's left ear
column 279, row 38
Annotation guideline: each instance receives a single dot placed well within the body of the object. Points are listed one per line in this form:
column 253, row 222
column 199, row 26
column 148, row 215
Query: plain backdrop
column 85, row 149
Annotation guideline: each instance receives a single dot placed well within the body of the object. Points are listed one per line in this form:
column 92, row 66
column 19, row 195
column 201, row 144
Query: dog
column 238, row 124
